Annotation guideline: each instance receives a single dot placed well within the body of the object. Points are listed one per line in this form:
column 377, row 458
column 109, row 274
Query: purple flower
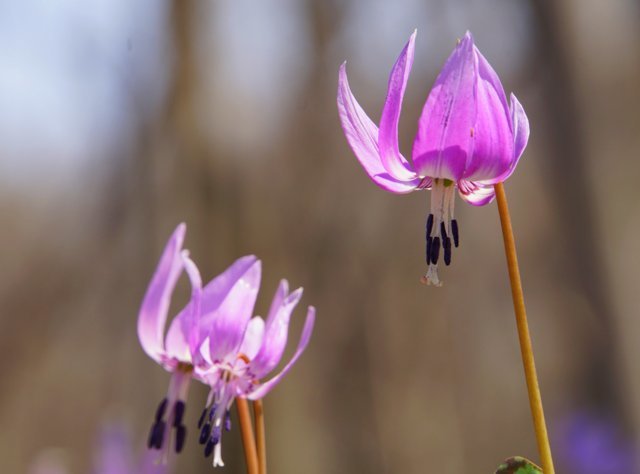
column 593, row 444
column 177, row 352
column 240, row 349
column 468, row 138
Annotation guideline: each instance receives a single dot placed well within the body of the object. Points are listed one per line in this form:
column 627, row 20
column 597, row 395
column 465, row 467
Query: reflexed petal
column 182, row 338
column 362, row 135
column 476, row 193
column 492, row 136
column 275, row 336
column 232, row 315
column 520, row 129
column 444, row 141
column 395, row 164
column 155, row 305
column 263, row 389
column 252, row 338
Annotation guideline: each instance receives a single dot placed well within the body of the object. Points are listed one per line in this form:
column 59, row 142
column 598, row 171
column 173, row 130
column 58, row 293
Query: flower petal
column 253, row 337
column 231, row 317
column 276, row 332
column 443, row 142
column 476, row 193
column 492, row 134
column 155, row 305
column 182, row 342
column 362, row 135
column 395, row 164
column 266, row 387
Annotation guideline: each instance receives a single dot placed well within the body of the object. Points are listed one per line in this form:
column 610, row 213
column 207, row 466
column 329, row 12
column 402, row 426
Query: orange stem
column 526, row 349
column 261, row 443
column 248, row 440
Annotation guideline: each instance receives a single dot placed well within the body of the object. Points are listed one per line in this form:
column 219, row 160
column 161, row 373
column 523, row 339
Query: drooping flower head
column 241, row 350
column 177, row 352
column 469, row 138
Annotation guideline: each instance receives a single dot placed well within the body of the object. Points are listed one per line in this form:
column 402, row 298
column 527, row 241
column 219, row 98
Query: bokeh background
column 120, row 119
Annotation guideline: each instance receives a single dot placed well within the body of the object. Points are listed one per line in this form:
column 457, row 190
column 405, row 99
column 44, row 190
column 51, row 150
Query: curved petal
column 492, row 133
column 181, row 342
column 520, row 130
column 362, row 135
column 266, row 387
column 253, row 337
column 444, row 142
column 155, row 305
column 230, row 320
column 275, row 336
column 476, row 193
column 395, row 164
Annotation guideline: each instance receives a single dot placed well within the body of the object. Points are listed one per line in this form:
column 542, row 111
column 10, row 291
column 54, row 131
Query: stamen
column 162, row 408
column 454, row 231
column 435, row 250
column 208, row 449
column 201, row 420
column 181, row 435
column 204, row 433
column 429, row 225
column 447, row 250
column 156, row 436
column 429, row 245
column 216, row 433
column 178, row 413
column 227, row 421
column 443, row 231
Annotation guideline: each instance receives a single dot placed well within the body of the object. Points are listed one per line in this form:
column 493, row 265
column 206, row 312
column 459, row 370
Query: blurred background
column 120, row 119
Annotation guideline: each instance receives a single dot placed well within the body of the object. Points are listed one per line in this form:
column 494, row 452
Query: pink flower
column 469, row 138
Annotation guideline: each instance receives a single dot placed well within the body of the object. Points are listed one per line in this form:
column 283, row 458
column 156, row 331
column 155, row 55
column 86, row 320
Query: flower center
column 441, row 228
column 216, row 415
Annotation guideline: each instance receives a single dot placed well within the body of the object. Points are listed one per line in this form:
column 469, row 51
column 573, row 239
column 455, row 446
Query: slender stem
column 261, row 443
column 248, row 440
column 535, row 400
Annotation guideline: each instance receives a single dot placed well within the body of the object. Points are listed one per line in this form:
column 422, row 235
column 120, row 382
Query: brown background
column 222, row 114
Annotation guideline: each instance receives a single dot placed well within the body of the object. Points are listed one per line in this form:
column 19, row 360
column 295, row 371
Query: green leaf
column 518, row 465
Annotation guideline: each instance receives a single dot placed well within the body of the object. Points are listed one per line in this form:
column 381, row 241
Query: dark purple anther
column 227, row 421
column 201, row 420
column 208, row 449
column 204, row 433
column 214, row 407
column 454, row 231
column 181, row 435
column 447, row 250
column 216, row 432
column 435, row 250
column 162, row 408
column 178, row 413
column 429, row 224
column 443, row 231
column 156, row 436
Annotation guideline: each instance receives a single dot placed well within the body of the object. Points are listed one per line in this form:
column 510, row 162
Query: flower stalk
column 261, row 443
column 248, row 439
column 526, row 349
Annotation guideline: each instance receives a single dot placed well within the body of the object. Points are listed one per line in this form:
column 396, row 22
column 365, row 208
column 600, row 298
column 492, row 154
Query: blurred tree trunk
column 567, row 175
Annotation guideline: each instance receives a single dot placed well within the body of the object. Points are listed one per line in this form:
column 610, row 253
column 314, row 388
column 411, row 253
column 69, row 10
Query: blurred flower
column 590, row 444
column 176, row 351
column 113, row 455
column 468, row 138
column 242, row 349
